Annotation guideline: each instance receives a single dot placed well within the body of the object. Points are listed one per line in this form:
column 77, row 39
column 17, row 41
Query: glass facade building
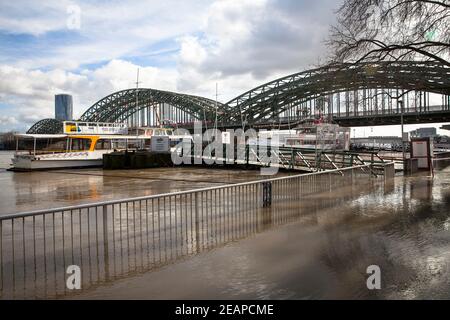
column 63, row 107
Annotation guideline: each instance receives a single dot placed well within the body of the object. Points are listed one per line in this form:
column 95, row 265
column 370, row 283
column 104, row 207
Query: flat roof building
column 423, row 133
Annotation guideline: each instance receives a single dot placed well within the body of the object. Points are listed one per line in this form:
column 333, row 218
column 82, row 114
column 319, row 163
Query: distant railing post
column 197, row 236
column 292, row 158
column 267, row 194
column 351, row 173
column 329, row 181
column 247, row 155
column 105, row 241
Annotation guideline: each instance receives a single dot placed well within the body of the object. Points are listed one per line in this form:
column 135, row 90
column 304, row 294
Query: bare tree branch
column 374, row 30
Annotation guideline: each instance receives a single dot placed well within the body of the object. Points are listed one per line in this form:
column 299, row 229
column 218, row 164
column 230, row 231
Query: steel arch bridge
column 344, row 91
column 350, row 94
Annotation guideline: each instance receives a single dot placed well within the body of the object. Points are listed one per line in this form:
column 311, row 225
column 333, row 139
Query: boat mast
column 216, row 104
column 136, row 114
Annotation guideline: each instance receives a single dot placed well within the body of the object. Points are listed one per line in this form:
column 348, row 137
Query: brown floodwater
column 25, row 191
column 317, row 248
column 402, row 227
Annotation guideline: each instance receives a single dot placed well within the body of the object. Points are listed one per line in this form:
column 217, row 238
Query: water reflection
column 116, row 241
column 313, row 242
column 24, row 191
column 404, row 233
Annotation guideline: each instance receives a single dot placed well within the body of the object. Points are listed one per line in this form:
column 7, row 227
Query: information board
column 160, row 144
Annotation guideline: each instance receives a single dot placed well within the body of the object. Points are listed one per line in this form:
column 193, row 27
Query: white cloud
column 33, row 17
column 7, row 120
column 238, row 44
column 255, row 41
column 31, row 93
column 108, row 29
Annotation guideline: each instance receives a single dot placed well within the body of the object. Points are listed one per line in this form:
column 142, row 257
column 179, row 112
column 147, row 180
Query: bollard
column 267, row 194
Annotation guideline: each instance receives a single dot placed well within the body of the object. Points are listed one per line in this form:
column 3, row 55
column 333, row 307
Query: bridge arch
column 46, row 126
column 135, row 104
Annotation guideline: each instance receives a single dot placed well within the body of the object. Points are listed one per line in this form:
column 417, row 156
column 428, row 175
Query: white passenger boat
column 82, row 145
column 310, row 134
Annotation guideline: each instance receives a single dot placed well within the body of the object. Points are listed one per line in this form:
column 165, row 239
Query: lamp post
column 400, row 102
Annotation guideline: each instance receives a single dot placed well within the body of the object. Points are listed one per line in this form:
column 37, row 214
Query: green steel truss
column 271, row 99
column 120, row 105
column 46, row 126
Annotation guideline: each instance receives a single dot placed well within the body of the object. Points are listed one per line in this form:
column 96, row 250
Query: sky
column 90, row 49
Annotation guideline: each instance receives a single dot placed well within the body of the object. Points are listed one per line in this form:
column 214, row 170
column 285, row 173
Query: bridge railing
column 370, row 112
column 109, row 240
column 291, row 158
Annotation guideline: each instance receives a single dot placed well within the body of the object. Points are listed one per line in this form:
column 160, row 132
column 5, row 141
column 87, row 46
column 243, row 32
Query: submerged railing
column 290, row 158
column 112, row 239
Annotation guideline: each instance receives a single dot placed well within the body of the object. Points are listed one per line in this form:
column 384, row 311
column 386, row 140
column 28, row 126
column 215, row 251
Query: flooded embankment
column 25, row 191
column 402, row 227
column 317, row 247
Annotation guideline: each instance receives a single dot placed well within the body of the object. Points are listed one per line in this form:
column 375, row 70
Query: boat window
column 134, row 144
column 79, row 144
column 103, row 144
column 55, row 145
column 119, row 144
column 306, row 130
column 50, row 145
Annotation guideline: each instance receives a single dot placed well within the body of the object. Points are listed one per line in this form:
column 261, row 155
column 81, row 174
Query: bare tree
column 7, row 140
column 376, row 30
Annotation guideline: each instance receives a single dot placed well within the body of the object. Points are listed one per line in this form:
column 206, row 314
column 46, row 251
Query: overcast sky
column 182, row 46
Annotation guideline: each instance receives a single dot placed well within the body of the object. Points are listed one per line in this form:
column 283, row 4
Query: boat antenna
column 137, row 98
column 216, row 105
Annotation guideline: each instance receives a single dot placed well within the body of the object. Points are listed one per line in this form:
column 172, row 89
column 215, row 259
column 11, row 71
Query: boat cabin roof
column 40, row 136
column 81, row 136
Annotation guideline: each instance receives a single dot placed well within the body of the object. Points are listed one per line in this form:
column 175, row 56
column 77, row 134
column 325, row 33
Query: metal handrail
column 112, row 202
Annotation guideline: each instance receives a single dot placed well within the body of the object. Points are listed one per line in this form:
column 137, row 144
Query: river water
column 403, row 227
column 5, row 159
column 26, row 191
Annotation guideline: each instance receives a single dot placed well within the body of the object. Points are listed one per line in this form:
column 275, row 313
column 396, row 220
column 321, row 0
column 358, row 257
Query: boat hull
column 29, row 162
column 55, row 164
